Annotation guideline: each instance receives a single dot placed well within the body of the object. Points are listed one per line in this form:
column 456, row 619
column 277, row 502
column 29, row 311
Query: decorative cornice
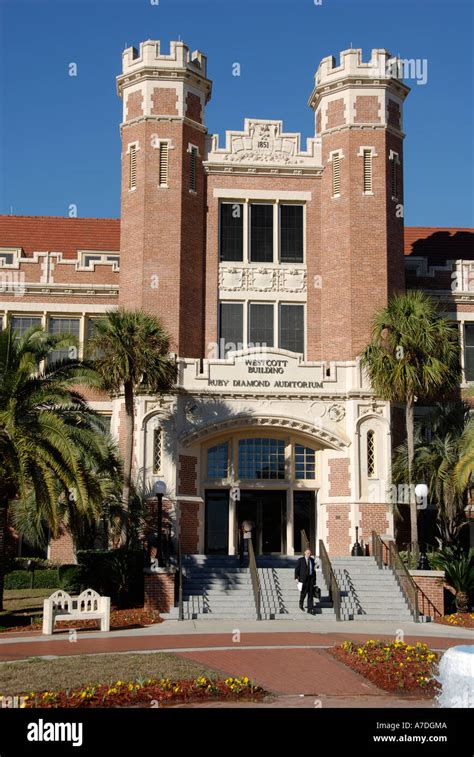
column 326, row 436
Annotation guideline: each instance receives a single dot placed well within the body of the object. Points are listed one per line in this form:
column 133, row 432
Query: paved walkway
column 289, row 659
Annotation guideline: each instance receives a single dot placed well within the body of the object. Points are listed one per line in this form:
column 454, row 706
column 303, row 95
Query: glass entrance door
column 304, row 517
column 266, row 510
column 217, row 522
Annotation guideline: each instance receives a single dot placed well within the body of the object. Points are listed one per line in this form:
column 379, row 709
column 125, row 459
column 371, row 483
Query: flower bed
column 135, row 618
column 392, row 666
column 146, row 692
column 462, row 619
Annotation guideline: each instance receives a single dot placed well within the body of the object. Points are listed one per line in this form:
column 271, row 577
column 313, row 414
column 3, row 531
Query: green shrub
column 43, row 579
column 116, row 573
column 70, row 578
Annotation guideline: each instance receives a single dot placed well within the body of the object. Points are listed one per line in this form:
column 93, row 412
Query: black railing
column 254, row 577
column 330, row 579
column 180, row 583
column 400, row 571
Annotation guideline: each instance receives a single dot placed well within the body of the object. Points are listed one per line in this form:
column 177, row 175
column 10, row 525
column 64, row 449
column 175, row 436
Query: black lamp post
column 421, row 494
column 159, row 490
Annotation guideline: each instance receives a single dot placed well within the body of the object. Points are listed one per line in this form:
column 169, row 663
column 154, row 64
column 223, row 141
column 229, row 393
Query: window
column 63, row 326
column 231, row 327
column 261, row 233
column 305, row 462
column 469, row 351
column 217, row 461
column 336, row 174
column 106, row 420
column 163, row 177
column 292, row 328
column 193, row 169
column 367, row 157
column 157, row 444
column 261, row 324
column 21, row 323
column 262, row 459
column 371, row 454
column 291, row 233
column 231, row 231
column 394, row 175
column 132, row 157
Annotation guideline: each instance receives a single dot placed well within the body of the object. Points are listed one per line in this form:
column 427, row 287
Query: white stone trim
column 261, row 194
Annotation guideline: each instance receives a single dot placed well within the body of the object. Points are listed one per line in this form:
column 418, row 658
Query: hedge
column 70, row 578
column 43, row 579
column 116, row 573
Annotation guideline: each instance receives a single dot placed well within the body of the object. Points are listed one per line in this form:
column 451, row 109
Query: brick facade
column 339, row 539
column 61, row 550
column 163, row 256
column 159, row 591
column 189, row 527
column 431, row 590
column 338, row 477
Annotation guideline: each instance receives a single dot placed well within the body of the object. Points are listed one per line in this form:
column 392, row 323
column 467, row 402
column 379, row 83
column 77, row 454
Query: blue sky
column 59, row 135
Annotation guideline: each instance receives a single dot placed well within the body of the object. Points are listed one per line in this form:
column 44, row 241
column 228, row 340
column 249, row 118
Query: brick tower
column 163, row 188
column 358, row 116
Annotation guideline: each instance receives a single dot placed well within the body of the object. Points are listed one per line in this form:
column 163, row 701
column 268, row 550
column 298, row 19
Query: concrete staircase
column 280, row 596
column 369, row 592
column 214, row 586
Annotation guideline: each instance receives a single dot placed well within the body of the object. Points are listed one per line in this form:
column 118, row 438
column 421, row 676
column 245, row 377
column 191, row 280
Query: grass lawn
column 69, row 672
column 20, row 604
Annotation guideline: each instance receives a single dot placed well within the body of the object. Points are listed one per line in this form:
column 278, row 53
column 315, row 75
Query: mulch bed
column 460, row 619
column 395, row 667
column 146, row 693
column 119, row 619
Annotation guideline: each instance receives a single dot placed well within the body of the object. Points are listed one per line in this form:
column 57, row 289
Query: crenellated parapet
column 356, row 94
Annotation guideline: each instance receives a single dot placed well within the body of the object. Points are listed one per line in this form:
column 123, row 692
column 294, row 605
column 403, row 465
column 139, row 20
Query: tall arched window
column 371, row 454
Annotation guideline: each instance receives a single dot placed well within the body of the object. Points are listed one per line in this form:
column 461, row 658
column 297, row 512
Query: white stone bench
column 87, row 606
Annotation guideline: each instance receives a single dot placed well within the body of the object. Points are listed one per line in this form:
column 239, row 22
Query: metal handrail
column 330, row 579
column 400, row 571
column 254, row 577
column 304, row 541
column 180, row 583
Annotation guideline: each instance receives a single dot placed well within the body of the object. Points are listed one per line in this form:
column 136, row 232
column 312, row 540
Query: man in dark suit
column 305, row 573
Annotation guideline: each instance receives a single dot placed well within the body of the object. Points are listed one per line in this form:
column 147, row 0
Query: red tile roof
column 439, row 244
column 67, row 235
column 58, row 234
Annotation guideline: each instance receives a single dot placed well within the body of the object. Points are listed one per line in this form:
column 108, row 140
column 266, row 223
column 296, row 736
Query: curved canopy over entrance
column 325, row 436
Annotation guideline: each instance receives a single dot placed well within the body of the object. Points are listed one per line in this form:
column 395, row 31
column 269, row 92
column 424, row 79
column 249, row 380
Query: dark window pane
column 261, row 324
column 291, row 233
column 262, row 459
column 292, row 328
column 231, row 327
column 261, row 233
column 21, row 323
column 63, row 326
column 469, row 351
column 217, row 458
column 305, row 461
column 232, row 231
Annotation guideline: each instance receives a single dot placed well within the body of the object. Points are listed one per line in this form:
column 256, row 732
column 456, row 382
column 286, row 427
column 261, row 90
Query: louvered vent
column 367, row 171
column 336, row 175
column 164, row 164
column 133, row 167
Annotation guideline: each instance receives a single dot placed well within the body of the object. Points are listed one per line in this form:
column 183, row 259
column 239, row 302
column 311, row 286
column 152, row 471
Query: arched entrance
column 273, row 466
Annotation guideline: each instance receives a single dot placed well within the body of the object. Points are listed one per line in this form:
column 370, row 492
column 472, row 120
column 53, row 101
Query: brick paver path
column 289, row 671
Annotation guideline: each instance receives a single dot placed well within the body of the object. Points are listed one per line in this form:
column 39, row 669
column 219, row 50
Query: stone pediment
column 263, row 142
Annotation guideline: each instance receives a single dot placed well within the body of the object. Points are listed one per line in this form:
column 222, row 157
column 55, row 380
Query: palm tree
column 464, row 470
column 105, row 503
column 131, row 351
column 436, row 461
column 458, row 566
column 47, row 429
column 413, row 355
